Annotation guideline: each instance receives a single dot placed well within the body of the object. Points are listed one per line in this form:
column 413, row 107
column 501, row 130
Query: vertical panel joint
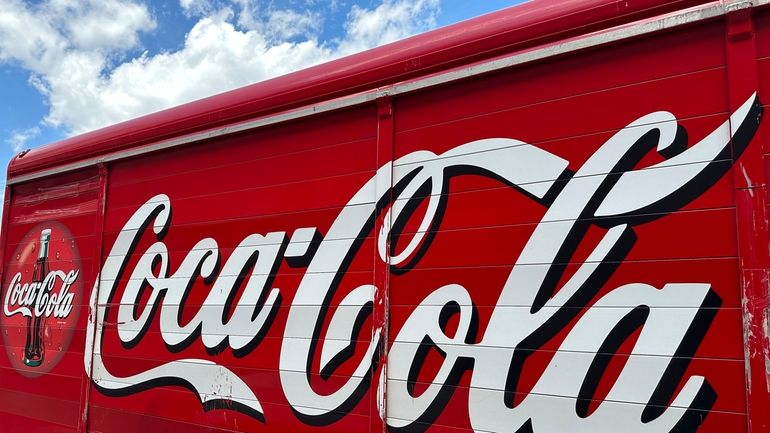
column 380, row 317
column 740, row 24
column 751, row 209
column 101, row 211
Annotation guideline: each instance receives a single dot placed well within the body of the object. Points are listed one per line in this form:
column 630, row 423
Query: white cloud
column 197, row 7
column 74, row 53
column 274, row 23
column 390, row 21
column 28, row 38
column 41, row 36
column 96, row 25
column 66, row 45
column 285, row 24
column 19, row 139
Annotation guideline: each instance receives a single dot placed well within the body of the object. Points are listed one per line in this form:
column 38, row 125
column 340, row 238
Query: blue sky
column 71, row 66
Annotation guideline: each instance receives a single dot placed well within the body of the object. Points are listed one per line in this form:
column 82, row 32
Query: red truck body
column 551, row 218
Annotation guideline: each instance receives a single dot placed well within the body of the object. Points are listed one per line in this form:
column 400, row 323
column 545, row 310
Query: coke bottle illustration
column 33, row 348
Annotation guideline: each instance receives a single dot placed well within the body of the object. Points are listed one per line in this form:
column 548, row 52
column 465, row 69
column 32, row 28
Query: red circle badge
column 42, row 297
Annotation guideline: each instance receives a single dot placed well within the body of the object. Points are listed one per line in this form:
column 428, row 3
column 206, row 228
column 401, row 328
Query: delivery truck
column 549, row 219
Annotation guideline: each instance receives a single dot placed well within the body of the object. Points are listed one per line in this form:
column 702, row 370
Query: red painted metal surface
column 574, row 244
column 381, row 305
column 752, row 219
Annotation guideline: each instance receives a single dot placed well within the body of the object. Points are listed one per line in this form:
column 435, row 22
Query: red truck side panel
column 56, row 384
column 578, row 243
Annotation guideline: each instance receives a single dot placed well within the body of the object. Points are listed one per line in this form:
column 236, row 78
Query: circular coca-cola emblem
column 42, row 297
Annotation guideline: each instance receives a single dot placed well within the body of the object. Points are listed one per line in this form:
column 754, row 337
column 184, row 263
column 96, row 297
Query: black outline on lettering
column 622, row 330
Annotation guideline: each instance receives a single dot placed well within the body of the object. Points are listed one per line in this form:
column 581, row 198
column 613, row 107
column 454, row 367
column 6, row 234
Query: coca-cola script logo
column 609, row 188
column 42, row 295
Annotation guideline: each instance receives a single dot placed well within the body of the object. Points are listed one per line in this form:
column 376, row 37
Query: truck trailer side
column 551, row 218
